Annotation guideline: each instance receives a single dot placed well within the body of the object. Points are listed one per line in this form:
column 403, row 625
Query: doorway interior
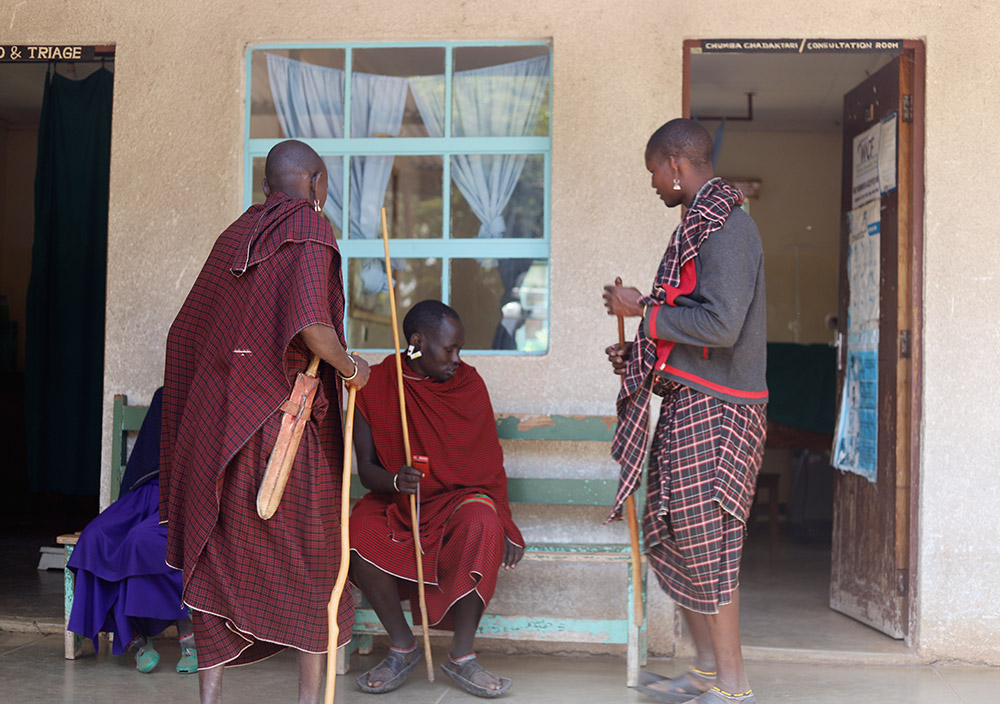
column 29, row 518
column 778, row 123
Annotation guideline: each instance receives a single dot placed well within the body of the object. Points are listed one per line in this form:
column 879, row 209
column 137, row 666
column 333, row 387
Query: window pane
column 369, row 316
column 382, row 102
column 498, row 195
column 331, row 211
column 501, row 91
column 411, row 189
column 503, row 303
column 297, row 93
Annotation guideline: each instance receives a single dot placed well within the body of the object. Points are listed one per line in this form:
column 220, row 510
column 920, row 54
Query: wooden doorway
column 872, row 564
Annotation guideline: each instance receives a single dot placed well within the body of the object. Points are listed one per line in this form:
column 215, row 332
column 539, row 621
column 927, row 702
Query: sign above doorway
column 33, row 53
column 801, row 46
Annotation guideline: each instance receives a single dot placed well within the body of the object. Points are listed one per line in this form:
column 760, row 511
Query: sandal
column 673, row 690
column 188, row 664
column 468, row 667
column 146, row 657
column 399, row 663
column 717, row 696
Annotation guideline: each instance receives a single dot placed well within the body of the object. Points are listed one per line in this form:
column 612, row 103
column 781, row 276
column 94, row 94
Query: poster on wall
column 865, row 171
column 855, row 445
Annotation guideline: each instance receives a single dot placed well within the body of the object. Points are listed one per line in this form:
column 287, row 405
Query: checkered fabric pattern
column 232, row 357
column 702, row 474
column 708, row 212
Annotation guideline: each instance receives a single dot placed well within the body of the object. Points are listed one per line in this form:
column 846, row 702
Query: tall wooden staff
column 406, row 450
column 333, row 607
column 633, row 520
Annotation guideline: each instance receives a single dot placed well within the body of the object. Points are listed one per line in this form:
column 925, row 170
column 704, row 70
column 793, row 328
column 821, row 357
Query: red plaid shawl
column 451, row 423
column 232, row 355
column 708, row 213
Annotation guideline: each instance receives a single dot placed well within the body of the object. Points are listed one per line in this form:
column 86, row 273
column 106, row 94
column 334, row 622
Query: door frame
column 917, row 50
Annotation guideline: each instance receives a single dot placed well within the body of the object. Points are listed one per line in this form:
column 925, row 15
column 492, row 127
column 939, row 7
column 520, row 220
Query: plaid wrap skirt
column 703, row 466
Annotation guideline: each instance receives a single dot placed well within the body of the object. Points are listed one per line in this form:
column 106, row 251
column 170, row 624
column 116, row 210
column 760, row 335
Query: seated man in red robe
column 466, row 529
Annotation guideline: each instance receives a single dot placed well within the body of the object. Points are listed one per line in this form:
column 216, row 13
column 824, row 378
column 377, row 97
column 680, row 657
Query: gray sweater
column 719, row 329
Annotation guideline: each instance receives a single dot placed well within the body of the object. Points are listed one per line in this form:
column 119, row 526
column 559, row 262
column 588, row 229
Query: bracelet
column 348, row 378
column 394, row 485
column 645, row 307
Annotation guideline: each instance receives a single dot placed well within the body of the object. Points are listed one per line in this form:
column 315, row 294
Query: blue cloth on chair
column 120, row 559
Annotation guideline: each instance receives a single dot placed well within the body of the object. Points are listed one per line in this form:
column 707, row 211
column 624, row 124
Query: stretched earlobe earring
column 316, row 206
column 413, row 354
column 677, row 184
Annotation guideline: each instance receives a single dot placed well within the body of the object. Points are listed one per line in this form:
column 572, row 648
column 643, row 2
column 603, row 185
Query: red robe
column 452, row 424
column 232, row 357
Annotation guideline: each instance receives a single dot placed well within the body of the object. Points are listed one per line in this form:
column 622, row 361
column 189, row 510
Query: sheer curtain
column 495, row 101
column 309, row 101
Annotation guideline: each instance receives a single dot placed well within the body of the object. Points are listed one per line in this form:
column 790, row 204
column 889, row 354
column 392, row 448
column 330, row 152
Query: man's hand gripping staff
column 618, row 357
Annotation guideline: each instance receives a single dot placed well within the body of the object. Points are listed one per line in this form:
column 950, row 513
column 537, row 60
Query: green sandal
column 146, row 657
column 188, row 664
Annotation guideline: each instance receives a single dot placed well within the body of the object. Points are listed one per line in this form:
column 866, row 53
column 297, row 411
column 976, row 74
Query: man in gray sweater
column 701, row 345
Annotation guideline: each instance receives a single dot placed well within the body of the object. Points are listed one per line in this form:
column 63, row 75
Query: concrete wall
column 176, row 182
column 798, row 214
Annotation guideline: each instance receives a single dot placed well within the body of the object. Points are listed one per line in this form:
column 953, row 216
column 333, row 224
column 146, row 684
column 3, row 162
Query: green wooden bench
column 549, row 492
column 538, row 491
column 125, row 419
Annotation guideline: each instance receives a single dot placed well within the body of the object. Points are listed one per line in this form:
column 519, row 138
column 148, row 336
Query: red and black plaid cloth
column 708, row 213
column 232, row 357
column 703, row 467
column 452, row 424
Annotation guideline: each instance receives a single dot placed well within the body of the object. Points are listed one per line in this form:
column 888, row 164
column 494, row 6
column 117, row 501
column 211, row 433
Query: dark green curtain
column 64, row 368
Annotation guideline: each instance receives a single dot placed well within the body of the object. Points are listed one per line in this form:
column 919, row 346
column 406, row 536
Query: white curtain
column 495, row 101
column 309, row 101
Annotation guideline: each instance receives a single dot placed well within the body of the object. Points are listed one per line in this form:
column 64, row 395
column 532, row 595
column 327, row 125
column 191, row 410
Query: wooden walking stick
column 633, row 520
column 333, row 607
column 409, row 458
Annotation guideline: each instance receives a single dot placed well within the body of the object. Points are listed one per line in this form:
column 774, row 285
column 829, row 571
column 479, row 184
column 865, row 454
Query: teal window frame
column 446, row 248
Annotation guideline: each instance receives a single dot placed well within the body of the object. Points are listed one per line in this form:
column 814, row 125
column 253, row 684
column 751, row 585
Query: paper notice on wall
column 865, row 186
column 855, row 447
column 887, row 154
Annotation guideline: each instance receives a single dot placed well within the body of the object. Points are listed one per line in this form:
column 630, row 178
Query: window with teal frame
column 454, row 140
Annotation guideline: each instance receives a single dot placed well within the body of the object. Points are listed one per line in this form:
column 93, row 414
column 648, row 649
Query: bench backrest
column 124, row 420
column 510, row 426
column 551, row 491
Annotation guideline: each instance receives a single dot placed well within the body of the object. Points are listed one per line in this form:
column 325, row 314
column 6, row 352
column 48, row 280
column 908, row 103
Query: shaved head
column 426, row 316
column 290, row 167
column 683, row 139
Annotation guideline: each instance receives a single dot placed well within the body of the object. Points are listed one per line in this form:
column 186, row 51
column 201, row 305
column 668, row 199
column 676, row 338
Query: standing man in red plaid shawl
column 268, row 298
column 701, row 346
column 466, row 529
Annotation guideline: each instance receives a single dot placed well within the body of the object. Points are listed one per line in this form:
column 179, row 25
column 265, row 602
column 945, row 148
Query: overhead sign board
column 801, row 46
column 33, row 53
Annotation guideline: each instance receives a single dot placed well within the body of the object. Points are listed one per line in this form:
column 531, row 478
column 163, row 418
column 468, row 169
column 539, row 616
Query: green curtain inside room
column 64, row 366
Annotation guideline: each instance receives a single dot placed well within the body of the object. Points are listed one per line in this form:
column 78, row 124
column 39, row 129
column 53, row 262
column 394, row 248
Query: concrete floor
column 32, row 670
column 798, row 650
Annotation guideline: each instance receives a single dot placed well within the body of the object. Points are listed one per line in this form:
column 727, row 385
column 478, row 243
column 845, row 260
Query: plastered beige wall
column 798, row 215
column 175, row 183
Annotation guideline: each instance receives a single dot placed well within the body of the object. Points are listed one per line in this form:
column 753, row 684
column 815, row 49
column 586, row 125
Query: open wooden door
column 871, row 576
